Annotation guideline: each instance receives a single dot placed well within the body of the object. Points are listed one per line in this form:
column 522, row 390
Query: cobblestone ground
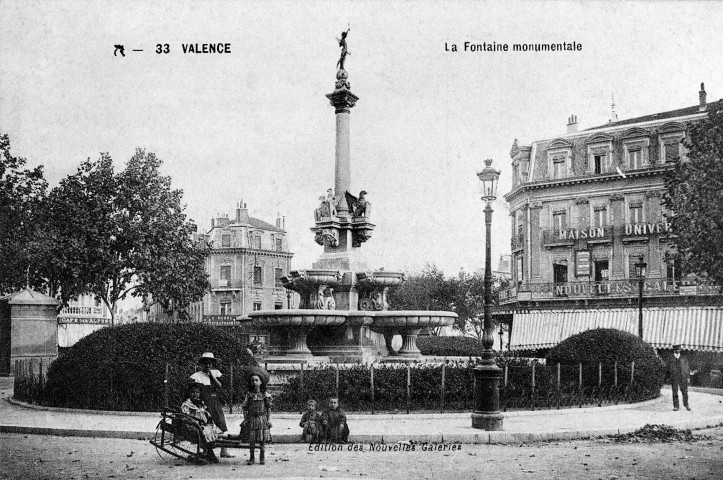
column 51, row 457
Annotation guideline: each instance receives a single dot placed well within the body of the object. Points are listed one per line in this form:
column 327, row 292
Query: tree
column 694, row 196
column 469, row 302
column 21, row 191
column 430, row 290
column 119, row 234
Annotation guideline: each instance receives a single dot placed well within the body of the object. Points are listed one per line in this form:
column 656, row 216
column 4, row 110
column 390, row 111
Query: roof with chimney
column 260, row 224
column 616, row 132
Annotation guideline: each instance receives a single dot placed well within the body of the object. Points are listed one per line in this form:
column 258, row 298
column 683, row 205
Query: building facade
column 247, row 259
column 585, row 209
column 245, row 263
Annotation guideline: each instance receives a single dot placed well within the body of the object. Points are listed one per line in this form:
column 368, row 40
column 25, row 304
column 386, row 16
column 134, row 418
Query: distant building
column 246, row 261
column 586, row 207
column 504, row 268
column 80, row 318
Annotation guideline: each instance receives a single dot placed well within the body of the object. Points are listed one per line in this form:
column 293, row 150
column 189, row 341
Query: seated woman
column 194, row 407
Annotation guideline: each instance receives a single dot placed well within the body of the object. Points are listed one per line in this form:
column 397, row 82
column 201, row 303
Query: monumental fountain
column 343, row 305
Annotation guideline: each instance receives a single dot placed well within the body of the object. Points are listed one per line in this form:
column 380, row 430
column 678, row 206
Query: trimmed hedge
column 124, row 367
column 607, row 346
column 450, row 346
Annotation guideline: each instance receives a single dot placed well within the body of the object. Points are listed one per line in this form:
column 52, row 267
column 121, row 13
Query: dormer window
column 559, row 159
column 636, row 142
column 225, row 240
column 670, row 149
column 671, row 145
column 599, row 163
column 635, row 158
column 599, row 154
column 256, row 241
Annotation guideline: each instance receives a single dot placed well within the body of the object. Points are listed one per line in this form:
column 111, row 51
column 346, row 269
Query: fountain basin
column 407, row 323
column 380, row 278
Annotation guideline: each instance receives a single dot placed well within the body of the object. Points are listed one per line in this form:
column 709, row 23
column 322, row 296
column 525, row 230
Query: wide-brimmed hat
column 207, row 357
column 262, row 374
column 677, row 347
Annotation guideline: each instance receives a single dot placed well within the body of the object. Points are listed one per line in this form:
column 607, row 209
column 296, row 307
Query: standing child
column 334, row 422
column 257, row 411
column 310, row 422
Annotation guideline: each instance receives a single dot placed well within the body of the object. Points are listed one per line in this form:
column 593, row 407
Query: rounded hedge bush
column 607, row 346
column 450, row 346
column 124, row 367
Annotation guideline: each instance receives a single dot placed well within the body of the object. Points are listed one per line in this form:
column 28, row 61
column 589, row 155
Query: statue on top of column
column 344, row 51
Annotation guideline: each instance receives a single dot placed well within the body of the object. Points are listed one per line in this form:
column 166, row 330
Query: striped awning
column 695, row 328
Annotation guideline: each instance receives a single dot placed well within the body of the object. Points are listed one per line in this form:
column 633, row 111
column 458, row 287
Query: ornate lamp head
column 641, row 266
column 488, row 181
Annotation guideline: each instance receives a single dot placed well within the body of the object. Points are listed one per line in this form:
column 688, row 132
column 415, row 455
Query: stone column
column 342, row 100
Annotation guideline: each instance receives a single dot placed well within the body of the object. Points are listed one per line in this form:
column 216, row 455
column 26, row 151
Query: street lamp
column 640, row 271
column 486, row 414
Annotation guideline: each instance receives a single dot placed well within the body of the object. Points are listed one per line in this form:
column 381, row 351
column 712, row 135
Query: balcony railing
column 652, row 287
column 226, row 283
column 224, row 320
column 79, row 310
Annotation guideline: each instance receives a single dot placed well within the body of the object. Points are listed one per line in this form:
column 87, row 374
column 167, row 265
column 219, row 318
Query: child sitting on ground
column 334, row 423
column 194, row 407
column 310, row 422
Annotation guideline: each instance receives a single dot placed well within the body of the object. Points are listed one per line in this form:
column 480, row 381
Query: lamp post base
column 487, row 421
column 486, row 414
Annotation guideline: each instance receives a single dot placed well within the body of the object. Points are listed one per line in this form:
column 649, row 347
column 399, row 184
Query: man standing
column 679, row 372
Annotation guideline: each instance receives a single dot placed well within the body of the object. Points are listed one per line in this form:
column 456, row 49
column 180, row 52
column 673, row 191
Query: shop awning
column 695, row 328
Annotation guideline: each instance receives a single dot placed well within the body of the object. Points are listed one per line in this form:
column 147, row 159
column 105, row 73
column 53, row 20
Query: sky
column 255, row 125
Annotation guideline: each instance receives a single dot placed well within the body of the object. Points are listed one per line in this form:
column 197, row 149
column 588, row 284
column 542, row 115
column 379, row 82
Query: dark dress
column 209, row 395
column 257, row 408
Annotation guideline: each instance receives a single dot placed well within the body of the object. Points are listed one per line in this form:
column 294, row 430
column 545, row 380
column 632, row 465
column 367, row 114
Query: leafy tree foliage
column 430, row 290
column 694, row 195
column 119, row 234
column 21, row 191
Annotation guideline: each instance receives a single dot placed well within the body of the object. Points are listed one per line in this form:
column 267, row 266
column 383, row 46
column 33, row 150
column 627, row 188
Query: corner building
column 585, row 206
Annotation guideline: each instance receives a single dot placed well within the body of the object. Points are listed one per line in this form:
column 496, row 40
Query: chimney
column 278, row 220
column 572, row 124
column 242, row 214
column 702, row 96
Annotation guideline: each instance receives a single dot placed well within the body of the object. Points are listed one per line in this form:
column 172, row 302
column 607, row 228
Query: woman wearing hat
column 257, row 411
column 209, row 377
